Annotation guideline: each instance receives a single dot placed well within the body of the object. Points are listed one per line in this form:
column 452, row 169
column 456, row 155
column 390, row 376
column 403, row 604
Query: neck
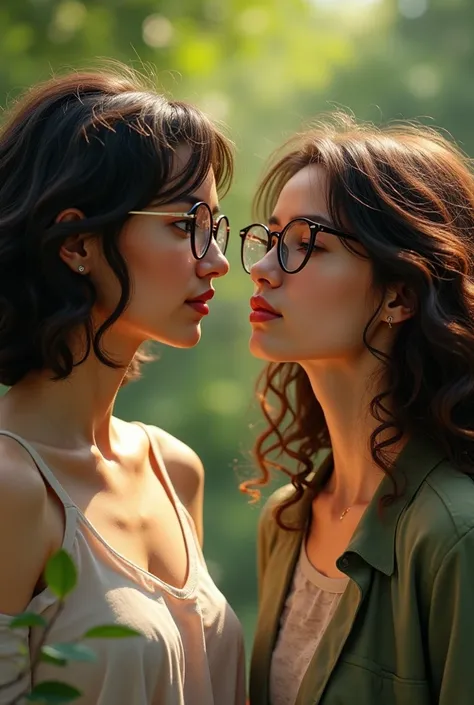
column 345, row 395
column 68, row 413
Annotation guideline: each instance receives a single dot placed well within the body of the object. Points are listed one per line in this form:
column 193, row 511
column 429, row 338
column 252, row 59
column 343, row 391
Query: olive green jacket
column 403, row 632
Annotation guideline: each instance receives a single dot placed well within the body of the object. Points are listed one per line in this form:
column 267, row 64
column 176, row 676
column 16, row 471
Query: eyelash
column 315, row 247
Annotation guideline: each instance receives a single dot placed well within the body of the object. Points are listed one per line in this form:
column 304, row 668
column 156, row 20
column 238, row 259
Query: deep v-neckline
column 152, row 581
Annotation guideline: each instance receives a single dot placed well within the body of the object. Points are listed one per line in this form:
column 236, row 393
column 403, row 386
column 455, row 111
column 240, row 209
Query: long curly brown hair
column 407, row 193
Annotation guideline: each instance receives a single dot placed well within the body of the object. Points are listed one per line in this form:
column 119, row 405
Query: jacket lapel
column 281, row 566
column 374, row 543
column 330, row 647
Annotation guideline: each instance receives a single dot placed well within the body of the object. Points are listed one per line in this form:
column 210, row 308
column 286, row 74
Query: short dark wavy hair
column 102, row 142
column 407, row 193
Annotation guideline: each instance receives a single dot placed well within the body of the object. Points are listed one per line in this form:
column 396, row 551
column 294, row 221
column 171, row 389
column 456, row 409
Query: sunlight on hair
column 267, row 406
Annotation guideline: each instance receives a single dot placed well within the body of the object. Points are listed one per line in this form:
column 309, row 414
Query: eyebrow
column 316, row 217
column 192, row 200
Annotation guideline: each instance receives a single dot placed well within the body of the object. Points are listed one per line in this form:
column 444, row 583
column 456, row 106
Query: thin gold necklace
column 343, row 514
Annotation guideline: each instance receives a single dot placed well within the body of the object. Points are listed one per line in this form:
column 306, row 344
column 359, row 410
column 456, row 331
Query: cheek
column 168, row 268
column 335, row 296
column 155, row 256
column 160, row 271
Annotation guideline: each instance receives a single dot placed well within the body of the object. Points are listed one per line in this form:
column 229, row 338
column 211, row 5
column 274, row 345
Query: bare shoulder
column 182, row 462
column 20, row 479
column 186, row 472
column 24, row 544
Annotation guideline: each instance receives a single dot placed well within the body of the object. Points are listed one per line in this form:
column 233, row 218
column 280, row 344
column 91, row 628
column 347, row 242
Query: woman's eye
column 183, row 225
column 304, row 246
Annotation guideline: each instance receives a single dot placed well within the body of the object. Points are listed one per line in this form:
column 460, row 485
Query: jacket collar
column 374, row 538
column 373, row 541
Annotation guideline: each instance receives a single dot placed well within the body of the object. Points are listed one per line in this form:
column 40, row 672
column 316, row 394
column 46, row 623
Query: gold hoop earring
column 389, row 321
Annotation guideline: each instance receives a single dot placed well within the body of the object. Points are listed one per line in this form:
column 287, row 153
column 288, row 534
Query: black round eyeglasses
column 202, row 227
column 295, row 243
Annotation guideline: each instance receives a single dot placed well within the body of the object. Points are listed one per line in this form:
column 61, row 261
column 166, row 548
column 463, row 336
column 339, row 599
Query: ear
column 75, row 250
column 399, row 304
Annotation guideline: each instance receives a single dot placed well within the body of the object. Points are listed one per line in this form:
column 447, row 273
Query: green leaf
column 69, row 652
column 53, row 692
column 60, row 574
column 110, row 631
column 27, row 619
column 51, row 658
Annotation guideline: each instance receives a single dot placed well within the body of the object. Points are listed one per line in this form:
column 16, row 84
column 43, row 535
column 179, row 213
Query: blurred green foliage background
column 262, row 67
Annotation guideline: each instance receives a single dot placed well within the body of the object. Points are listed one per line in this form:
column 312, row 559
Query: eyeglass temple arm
column 326, row 229
column 173, row 215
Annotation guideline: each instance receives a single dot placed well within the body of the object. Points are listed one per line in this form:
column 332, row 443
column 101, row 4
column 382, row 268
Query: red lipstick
column 262, row 311
column 198, row 303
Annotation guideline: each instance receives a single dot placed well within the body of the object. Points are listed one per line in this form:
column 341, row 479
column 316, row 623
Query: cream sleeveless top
column 191, row 648
column 309, row 607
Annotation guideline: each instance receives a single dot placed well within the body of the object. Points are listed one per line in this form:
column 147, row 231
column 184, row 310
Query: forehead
column 305, row 192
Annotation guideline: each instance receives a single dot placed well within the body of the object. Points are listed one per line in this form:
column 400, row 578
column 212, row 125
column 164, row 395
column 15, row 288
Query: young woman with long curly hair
column 363, row 306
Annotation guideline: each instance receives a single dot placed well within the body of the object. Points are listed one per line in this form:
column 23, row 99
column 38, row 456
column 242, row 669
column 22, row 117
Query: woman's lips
column 261, row 316
column 262, row 311
column 199, row 306
column 199, row 303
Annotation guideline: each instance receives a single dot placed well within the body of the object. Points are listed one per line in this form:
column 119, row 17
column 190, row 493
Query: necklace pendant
column 346, row 510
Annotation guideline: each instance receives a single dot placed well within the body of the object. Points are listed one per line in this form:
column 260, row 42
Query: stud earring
column 389, row 321
column 81, row 269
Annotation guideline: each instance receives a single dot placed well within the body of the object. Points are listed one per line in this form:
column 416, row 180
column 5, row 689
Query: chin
column 176, row 336
column 273, row 349
column 189, row 339
column 267, row 352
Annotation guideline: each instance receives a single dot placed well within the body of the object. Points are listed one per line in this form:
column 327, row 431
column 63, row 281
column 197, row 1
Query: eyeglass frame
column 314, row 228
column 191, row 215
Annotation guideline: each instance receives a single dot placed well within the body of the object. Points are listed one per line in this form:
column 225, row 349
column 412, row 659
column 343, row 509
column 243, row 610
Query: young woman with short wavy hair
column 109, row 237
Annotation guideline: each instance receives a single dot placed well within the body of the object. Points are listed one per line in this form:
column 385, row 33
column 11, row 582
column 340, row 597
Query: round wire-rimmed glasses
column 295, row 243
column 202, row 227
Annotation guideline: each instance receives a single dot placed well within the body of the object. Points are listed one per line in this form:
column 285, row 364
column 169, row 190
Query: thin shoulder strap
column 155, row 449
column 188, row 528
column 45, row 471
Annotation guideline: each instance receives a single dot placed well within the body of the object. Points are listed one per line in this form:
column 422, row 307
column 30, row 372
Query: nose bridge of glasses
column 253, row 231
